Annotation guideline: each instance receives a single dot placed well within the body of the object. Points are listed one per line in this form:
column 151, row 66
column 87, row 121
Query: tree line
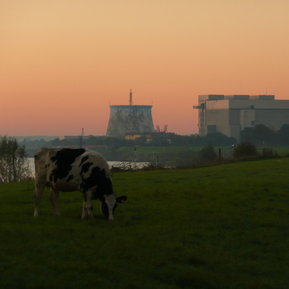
column 261, row 135
column 104, row 143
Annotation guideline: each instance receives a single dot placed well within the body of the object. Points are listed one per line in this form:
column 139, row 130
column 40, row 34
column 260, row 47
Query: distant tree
column 14, row 165
column 263, row 134
column 283, row 135
column 259, row 135
column 248, row 135
column 245, row 149
column 219, row 139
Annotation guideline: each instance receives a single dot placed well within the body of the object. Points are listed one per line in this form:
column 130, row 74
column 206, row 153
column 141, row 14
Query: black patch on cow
column 64, row 158
column 98, row 178
column 84, row 159
column 85, row 168
column 104, row 209
column 70, row 178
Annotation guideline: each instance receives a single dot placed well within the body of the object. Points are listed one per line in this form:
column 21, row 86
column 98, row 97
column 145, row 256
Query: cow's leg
column 84, row 211
column 39, row 187
column 53, row 198
column 88, row 204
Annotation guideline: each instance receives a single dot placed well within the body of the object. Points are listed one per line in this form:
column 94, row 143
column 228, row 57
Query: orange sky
column 62, row 62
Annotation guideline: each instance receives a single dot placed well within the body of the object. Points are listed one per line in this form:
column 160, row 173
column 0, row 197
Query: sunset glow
column 63, row 62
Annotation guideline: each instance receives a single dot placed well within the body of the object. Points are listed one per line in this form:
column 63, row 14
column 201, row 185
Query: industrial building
column 230, row 114
column 130, row 119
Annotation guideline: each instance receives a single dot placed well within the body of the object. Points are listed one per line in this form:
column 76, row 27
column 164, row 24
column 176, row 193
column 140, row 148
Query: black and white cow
column 66, row 170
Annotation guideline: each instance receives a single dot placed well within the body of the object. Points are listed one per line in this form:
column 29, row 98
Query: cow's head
column 109, row 204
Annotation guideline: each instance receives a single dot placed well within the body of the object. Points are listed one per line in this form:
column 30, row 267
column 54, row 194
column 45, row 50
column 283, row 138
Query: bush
column 269, row 153
column 245, row 149
column 208, row 154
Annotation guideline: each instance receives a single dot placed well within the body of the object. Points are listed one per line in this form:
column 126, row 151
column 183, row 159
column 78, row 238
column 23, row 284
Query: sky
column 63, row 62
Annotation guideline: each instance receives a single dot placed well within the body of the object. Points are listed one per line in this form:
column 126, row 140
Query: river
column 125, row 165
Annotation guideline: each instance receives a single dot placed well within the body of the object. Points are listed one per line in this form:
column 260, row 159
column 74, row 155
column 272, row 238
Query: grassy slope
column 216, row 227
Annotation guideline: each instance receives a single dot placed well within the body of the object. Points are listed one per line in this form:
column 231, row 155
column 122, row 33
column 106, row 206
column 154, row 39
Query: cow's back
column 72, row 169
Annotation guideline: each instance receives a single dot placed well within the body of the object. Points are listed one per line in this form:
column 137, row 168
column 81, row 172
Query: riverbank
column 112, row 164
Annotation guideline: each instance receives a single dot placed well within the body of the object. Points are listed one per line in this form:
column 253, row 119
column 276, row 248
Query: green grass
column 215, row 227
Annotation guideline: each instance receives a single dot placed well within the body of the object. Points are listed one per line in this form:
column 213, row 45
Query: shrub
column 208, row 154
column 245, row 149
column 268, row 153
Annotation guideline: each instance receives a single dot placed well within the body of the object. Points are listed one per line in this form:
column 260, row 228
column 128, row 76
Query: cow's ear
column 121, row 199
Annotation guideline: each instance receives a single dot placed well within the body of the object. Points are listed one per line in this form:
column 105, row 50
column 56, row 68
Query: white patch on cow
column 110, row 201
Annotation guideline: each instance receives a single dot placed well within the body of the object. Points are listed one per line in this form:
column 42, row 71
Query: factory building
column 230, row 114
column 130, row 120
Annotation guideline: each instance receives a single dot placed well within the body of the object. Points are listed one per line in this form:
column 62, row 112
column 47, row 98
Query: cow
column 66, row 170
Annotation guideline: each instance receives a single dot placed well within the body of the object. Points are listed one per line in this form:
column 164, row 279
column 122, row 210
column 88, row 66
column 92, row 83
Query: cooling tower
column 130, row 119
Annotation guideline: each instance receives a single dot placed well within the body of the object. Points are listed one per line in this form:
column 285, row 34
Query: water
column 112, row 164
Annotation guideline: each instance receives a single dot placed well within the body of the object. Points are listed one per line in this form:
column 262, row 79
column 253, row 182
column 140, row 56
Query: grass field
column 216, row 227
